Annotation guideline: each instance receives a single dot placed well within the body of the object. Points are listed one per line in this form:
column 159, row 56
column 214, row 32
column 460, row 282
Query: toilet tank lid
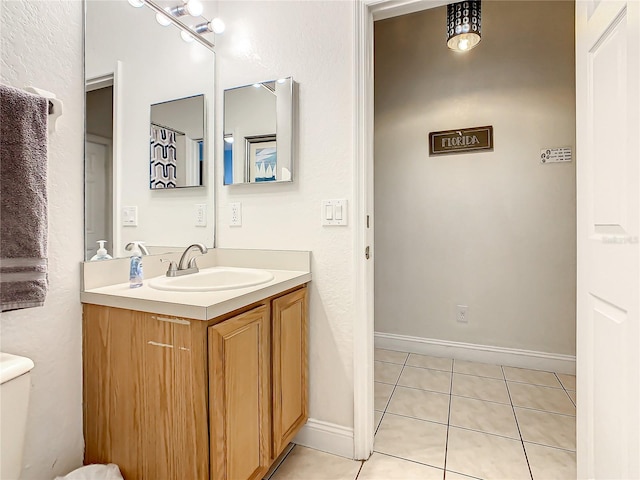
column 12, row 366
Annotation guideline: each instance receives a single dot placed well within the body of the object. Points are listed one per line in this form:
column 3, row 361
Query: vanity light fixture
column 214, row 26
column 189, row 33
column 163, row 19
column 464, row 25
column 136, row 3
column 186, row 36
column 190, row 7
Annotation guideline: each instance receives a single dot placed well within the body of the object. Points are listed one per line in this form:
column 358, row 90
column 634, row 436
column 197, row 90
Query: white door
column 608, row 176
column 97, row 194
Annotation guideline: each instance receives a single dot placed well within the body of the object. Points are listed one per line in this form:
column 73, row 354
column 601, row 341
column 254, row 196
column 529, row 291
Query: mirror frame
column 203, row 147
column 285, row 140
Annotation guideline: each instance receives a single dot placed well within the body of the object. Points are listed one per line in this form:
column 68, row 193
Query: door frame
column 365, row 13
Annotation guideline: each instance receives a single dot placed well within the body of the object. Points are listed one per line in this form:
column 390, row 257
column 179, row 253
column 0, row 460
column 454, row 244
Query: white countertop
column 195, row 305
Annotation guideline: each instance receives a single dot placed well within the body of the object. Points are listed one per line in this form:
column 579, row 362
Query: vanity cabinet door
column 289, row 363
column 174, row 383
column 239, row 402
column 145, row 394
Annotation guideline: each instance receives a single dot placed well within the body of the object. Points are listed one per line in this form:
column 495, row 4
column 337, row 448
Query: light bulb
column 463, row 44
column 194, row 7
column 186, row 36
column 136, row 3
column 163, row 20
column 217, row 26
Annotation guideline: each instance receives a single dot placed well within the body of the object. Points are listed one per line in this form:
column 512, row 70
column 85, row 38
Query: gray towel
column 23, row 199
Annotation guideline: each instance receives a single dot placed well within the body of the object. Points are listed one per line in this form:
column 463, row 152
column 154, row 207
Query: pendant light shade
column 463, row 25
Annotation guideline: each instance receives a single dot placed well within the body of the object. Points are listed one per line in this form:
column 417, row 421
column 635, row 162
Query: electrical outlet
column 235, row 214
column 462, row 314
column 201, row 214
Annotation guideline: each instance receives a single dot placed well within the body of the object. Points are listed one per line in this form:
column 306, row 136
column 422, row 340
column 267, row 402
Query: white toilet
column 15, row 384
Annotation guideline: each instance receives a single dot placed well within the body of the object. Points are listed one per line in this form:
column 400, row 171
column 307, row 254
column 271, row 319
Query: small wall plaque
column 555, row 155
column 461, row 140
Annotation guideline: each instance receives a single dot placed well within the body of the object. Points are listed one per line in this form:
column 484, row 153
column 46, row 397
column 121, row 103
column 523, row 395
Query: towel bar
column 55, row 105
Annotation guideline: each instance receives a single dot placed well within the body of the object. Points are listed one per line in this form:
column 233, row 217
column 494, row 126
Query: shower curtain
column 163, row 158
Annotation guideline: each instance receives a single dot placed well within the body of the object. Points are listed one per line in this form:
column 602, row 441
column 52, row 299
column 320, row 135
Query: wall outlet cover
column 201, row 215
column 462, row 314
column 235, row 214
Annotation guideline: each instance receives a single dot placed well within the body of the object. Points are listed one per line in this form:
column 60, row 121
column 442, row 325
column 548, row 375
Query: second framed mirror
column 258, row 133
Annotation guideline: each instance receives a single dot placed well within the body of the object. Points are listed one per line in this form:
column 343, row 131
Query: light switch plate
column 334, row 212
column 129, row 216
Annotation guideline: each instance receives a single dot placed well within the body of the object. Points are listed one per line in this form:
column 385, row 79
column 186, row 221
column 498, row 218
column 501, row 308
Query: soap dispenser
column 102, row 252
column 135, row 267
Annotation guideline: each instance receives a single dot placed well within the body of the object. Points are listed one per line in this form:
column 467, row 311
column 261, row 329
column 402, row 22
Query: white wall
column 51, row 335
column 313, row 42
column 494, row 230
column 157, row 66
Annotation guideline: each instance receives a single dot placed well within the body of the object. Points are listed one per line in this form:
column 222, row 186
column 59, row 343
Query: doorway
column 597, row 24
column 98, row 169
column 481, row 262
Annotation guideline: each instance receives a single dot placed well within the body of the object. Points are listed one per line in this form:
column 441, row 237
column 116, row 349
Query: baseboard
column 327, row 437
column 512, row 357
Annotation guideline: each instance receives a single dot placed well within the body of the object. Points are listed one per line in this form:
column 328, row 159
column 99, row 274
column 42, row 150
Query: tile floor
column 438, row 418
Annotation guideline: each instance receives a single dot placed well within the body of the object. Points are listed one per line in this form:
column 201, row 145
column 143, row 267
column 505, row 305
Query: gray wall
column 494, row 230
column 100, row 112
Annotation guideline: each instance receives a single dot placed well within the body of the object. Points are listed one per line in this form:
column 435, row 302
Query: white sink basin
column 213, row 279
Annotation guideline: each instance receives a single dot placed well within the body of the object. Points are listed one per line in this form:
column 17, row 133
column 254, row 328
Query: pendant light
column 463, row 25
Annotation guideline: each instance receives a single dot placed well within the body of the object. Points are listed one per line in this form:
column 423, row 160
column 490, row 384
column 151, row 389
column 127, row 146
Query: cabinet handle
column 156, row 344
column 179, row 321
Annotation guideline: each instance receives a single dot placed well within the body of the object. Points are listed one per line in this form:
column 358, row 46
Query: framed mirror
column 136, row 72
column 177, row 143
column 258, row 133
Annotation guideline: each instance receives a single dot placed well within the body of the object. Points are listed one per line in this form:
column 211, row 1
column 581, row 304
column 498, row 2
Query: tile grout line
column 417, row 462
column 359, row 470
column 392, row 392
column 551, row 412
column 565, row 390
column 526, row 457
column 446, row 441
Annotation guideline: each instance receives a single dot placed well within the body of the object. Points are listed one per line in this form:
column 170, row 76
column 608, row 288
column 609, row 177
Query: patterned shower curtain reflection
column 163, row 164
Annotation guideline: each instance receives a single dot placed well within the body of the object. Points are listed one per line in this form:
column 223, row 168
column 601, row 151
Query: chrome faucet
column 186, row 265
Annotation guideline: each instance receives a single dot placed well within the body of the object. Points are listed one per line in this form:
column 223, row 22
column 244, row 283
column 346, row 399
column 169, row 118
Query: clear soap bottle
column 102, row 252
column 135, row 267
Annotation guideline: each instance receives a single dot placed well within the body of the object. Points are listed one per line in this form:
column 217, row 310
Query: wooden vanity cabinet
column 173, row 398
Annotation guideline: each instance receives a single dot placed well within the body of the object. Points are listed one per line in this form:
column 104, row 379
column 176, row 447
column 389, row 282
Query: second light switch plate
column 334, row 212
